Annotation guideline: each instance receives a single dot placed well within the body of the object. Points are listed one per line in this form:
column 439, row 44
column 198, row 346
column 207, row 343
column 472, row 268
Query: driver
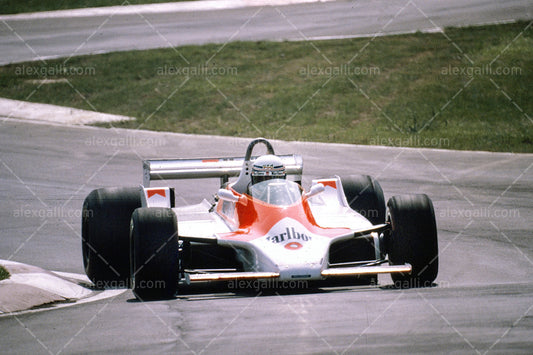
column 267, row 167
column 265, row 171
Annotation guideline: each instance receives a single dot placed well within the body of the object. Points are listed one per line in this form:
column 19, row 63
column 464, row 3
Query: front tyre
column 154, row 253
column 413, row 240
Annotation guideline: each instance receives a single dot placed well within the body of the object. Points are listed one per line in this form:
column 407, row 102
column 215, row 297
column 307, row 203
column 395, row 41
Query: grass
column 419, row 90
column 18, row 6
column 4, row 274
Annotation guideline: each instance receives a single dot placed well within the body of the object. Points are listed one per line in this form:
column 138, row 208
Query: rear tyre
column 365, row 196
column 413, row 240
column 106, row 215
column 154, row 253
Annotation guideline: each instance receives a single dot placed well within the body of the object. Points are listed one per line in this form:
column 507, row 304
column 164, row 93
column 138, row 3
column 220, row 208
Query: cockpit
column 278, row 192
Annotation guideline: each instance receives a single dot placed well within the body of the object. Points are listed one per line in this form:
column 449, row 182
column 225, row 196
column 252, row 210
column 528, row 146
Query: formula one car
column 261, row 226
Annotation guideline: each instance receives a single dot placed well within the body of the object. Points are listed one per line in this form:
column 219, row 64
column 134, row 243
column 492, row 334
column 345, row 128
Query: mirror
column 315, row 190
column 227, row 195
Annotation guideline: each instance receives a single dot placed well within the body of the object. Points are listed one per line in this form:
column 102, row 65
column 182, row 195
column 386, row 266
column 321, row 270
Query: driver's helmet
column 267, row 167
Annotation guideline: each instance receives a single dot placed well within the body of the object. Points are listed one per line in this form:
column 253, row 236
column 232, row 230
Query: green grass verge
column 4, row 274
column 18, row 6
column 420, row 90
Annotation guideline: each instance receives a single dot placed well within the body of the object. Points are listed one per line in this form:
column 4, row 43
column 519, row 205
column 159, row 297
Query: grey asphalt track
column 483, row 301
column 31, row 39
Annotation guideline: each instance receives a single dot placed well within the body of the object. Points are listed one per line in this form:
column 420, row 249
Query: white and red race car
column 271, row 231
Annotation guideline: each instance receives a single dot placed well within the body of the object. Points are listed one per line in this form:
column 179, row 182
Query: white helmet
column 267, row 167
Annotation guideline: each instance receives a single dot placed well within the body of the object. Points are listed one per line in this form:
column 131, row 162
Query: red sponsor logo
column 153, row 192
column 293, row 246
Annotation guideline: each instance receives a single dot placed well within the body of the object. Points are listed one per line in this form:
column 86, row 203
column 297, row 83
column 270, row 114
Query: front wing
column 327, row 273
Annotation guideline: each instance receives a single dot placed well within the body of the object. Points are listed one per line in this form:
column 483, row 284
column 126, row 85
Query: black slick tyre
column 413, row 240
column 365, row 196
column 154, row 253
column 106, row 215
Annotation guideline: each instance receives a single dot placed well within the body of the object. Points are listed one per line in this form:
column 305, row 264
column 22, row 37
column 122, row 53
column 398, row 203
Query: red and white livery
column 269, row 230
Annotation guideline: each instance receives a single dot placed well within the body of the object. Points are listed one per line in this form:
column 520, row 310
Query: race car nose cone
column 309, row 271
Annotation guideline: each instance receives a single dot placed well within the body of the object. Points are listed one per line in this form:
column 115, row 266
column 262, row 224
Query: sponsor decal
column 293, row 246
column 290, row 235
column 151, row 193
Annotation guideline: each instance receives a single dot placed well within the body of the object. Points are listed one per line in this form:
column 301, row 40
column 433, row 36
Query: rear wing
column 223, row 168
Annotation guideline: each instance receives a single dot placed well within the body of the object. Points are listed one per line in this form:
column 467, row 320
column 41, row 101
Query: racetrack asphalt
column 483, row 301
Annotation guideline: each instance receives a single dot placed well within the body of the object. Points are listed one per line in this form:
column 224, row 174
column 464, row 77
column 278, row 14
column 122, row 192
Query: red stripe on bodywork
column 256, row 218
column 331, row 183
